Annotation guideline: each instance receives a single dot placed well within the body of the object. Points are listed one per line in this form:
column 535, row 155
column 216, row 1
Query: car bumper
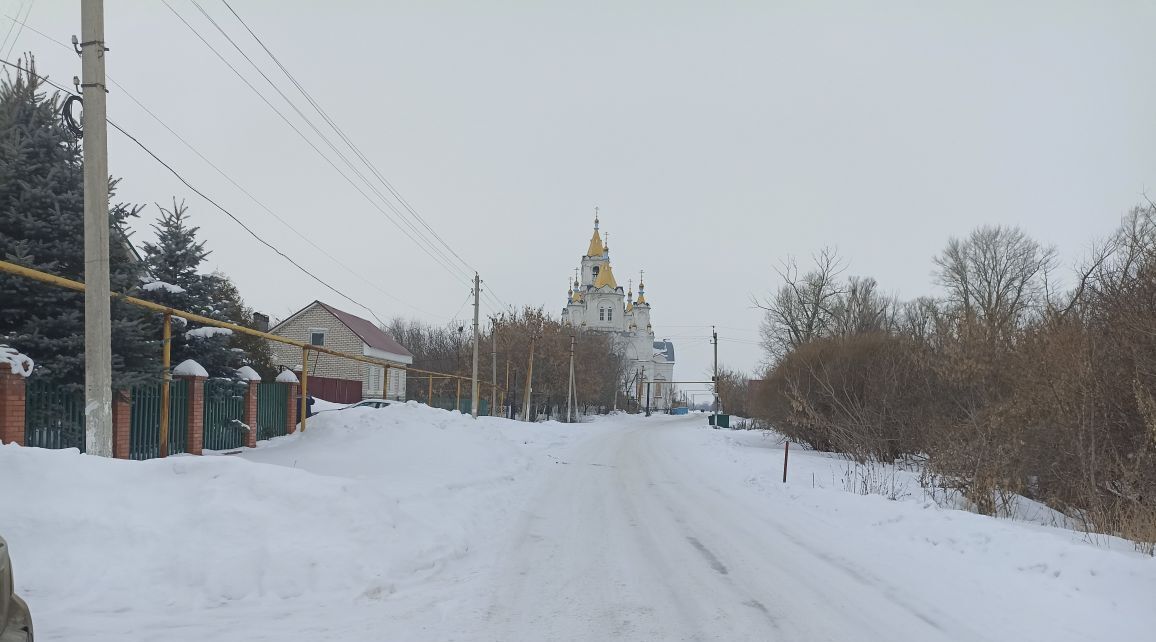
column 19, row 625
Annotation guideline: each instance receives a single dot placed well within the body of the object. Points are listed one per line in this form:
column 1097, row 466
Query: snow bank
column 366, row 503
column 208, row 332
column 321, row 405
column 248, row 374
column 190, row 368
column 161, row 285
column 19, row 363
column 287, row 376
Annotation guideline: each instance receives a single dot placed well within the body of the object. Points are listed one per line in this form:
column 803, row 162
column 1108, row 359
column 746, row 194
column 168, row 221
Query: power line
column 233, row 182
column 21, row 29
column 8, row 34
column 206, row 197
column 440, row 262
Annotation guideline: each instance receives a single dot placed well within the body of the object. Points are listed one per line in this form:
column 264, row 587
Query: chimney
column 260, row 322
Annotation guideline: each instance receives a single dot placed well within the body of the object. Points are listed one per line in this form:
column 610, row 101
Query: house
column 331, row 377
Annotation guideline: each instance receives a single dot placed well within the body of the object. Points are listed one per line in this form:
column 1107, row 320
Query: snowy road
column 630, row 540
column 418, row 524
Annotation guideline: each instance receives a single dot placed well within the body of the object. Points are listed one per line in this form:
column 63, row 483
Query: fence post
column 12, row 400
column 291, row 412
column 121, row 424
column 196, row 415
column 251, row 414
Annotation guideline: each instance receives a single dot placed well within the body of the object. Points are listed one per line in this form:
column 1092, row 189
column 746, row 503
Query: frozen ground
column 415, row 524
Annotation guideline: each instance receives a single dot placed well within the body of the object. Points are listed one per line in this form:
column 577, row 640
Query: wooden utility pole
column 475, row 391
column 529, row 382
column 714, row 334
column 570, row 386
column 494, row 365
column 97, row 306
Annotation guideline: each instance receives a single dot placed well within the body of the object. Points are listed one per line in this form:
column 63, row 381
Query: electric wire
column 280, row 114
column 21, row 29
column 233, row 182
column 8, row 34
column 210, row 200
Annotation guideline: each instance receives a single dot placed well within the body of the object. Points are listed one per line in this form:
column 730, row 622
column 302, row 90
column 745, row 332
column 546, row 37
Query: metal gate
column 224, row 411
column 145, row 434
column 53, row 416
column 272, row 409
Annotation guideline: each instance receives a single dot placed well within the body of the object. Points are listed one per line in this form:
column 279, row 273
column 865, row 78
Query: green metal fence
column 145, row 435
column 272, row 409
column 447, row 403
column 224, row 411
column 53, row 416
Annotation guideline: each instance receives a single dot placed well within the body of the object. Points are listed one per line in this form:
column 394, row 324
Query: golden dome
column 596, row 248
column 606, row 277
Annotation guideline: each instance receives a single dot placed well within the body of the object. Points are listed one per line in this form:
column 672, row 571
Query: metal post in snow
column 786, row 451
column 304, row 387
column 166, row 379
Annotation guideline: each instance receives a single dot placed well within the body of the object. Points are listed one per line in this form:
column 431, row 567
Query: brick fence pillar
column 294, row 404
column 121, row 424
column 12, row 400
column 196, row 433
column 251, row 414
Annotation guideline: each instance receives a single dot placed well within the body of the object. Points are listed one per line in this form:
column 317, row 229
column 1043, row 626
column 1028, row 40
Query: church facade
column 595, row 301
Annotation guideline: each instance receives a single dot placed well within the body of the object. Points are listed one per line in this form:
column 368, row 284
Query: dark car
column 15, row 621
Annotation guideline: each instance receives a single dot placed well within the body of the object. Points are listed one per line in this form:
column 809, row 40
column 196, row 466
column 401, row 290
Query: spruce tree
column 41, row 226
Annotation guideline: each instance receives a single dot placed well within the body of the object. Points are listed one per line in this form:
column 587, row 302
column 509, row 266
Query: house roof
column 366, row 330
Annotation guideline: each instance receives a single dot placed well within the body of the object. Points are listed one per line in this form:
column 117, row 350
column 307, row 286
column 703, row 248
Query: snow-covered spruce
column 161, row 285
column 20, row 363
column 208, row 332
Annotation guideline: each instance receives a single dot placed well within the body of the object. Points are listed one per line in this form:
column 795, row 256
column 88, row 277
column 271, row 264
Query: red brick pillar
column 291, row 415
column 12, row 399
column 121, row 424
column 251, row 414
column 196, row 434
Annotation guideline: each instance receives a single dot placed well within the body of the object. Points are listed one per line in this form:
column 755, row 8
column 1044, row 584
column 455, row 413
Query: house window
column 317, row 336
column 373, row 379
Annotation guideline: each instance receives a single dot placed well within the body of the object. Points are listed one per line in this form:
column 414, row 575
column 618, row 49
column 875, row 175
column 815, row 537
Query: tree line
column 598, row 362
column 1005, row 385
column 41, row 227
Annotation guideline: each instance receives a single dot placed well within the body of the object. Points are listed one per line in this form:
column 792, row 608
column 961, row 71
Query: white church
column 595, row 301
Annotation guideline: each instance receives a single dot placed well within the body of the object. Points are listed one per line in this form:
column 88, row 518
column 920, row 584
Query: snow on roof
column 207, row 332
column 248, row 374
column 161, row 285
column 21, row 364
column 287, row 376
column 190, row 368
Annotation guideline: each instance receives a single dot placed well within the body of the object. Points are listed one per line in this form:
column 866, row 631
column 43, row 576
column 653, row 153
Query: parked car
column 15, row 620
column 373, row 403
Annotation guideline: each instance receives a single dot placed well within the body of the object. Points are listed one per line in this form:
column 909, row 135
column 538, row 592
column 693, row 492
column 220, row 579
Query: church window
column 601, row 314
column 609, row 314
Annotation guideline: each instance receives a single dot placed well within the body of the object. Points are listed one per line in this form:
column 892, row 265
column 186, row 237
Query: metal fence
column 272, row 409
column 54, row 416
column 145, row 419
column 224, row 411
column 463, row 406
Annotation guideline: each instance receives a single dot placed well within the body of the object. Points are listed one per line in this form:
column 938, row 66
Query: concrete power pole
column 714, row 334
column 570, row 386
column 474, row 394
column 97, row 324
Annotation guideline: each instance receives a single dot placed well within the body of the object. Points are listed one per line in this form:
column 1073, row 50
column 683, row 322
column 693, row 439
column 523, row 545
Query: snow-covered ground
column 410, row 523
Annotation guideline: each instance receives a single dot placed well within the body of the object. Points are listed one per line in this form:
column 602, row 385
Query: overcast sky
column 717, row 138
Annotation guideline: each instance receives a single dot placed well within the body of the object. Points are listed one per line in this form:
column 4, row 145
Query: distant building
column 320, row 324
column 597, row 302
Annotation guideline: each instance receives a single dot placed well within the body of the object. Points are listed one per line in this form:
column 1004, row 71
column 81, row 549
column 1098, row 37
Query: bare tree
column 995, row 277
column 861, row 308
column 803, row 307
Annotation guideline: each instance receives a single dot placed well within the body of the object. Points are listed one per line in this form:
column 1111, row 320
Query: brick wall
column 294, row 405
column 121, row 424
column 196, row 433
column 12, row 399
column 337, row 337
column 250, row 418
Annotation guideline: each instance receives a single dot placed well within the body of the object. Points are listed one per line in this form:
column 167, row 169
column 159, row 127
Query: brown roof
column 365, row 329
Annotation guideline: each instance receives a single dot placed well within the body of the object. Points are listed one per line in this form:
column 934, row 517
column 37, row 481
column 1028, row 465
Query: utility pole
column 97, row 307
column 474, row 393
column 529, row 382
column 494, row 364
column 714, row 334
column 570, row 386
